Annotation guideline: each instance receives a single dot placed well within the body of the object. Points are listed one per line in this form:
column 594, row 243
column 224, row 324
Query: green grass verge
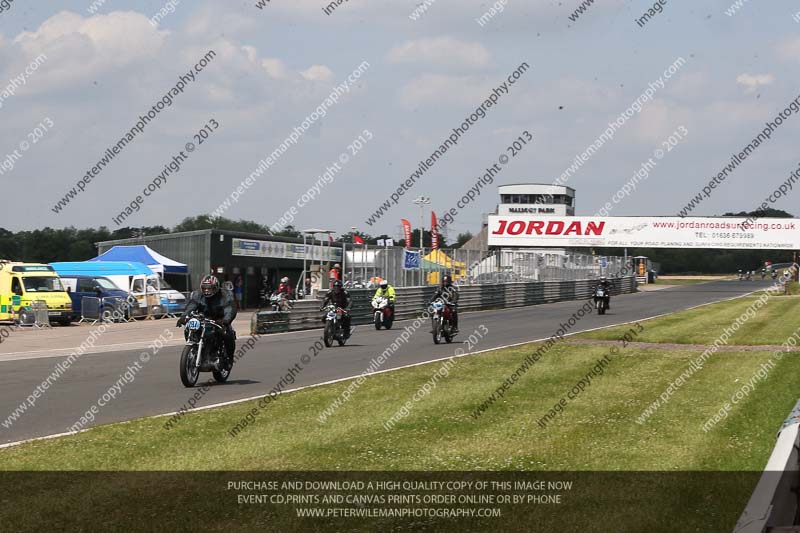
column 440, row 434
column 597, row 431
column 772, row 324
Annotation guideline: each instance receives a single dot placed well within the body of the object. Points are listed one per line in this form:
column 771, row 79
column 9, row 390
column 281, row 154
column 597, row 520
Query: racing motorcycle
column 747, row 276
column 334, row 330
column 280, row 302
column 601, row 300
column 442, row 322
column 741, row 276
column 763, row 273
column 774, row 274
column 383, row 315
column 204, row 351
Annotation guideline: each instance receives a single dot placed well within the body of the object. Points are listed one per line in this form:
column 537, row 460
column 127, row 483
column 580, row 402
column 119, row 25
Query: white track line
column 252, row 398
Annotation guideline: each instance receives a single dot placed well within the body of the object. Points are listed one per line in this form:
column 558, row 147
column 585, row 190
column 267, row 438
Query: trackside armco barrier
column 774, row 502
column 411, row 301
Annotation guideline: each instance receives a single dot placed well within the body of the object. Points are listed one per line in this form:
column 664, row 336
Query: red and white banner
column 357, row 239
column 406, row 231
column 645, row 232
column 434, row 232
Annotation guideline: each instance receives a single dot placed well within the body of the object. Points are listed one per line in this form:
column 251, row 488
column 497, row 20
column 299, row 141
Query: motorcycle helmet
column 209, row 285
column 337, row 265
column 284, row 280
column 384, row 284
column 447, row 280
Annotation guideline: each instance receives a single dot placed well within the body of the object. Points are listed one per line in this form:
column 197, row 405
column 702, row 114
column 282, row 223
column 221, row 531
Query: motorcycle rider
column 740, row 274
column 285, row 287
column 606, row 285
column 448, row 293
column 339, row 297
column 763, row 273
column 216, row 304
column 386, row 290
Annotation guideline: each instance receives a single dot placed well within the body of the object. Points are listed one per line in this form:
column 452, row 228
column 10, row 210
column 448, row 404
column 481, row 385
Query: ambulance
column 21, row 284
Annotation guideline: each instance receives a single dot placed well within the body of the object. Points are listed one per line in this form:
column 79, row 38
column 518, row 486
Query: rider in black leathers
column 340, row 298
column 216, row 304
column 448, row 293
column 607, row 288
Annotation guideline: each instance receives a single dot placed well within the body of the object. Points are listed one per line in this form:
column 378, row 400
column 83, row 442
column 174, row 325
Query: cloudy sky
column 274, row 66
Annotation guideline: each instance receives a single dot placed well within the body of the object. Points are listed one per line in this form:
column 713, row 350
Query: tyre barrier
column 412, row 301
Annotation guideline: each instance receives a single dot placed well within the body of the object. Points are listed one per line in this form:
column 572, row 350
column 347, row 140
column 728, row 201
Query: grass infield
column 596, row 431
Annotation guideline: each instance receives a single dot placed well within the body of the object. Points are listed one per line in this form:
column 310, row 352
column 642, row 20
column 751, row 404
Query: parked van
column 21, row 284
column 80, row 287
column 135, row 278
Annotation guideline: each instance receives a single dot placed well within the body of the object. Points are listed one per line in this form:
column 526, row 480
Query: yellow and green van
column 21, row 284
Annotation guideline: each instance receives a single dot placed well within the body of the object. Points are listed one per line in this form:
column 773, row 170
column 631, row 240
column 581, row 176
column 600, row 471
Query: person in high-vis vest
column 386, row 290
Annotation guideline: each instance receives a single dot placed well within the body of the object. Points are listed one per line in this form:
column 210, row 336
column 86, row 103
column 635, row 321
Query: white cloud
column 441, row 51
column 275, row 68
column 753, row 82
column 79, row 49
column 317, row 73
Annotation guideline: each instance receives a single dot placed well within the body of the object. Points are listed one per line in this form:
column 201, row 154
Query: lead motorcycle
column 442, row 322
column 601, row 300
column 204, row 351
column 334, row 330
column 383, row 315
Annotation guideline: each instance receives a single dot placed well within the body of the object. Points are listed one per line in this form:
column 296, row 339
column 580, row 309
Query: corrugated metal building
column 229, row 254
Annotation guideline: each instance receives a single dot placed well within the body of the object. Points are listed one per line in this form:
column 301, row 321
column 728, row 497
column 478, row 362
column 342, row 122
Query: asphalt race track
column 157, row 388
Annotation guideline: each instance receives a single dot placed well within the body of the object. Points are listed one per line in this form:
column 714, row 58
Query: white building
column 536, row 199
column 525, row 199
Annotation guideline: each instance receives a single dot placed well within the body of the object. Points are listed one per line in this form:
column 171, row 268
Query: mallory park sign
column 645, row 232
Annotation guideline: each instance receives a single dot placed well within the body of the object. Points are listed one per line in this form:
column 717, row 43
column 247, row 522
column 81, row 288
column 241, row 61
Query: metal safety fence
column 366, row 266
column 412, row 301
column 36, row 316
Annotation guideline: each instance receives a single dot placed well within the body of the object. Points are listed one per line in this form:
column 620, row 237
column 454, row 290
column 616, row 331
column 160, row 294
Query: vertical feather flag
column 434, row 232
column 406, row 231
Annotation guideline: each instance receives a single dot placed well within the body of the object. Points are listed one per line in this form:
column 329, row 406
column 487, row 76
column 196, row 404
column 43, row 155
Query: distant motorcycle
column 442, row 322
column 204, row 351
column 334, row 330
column 774, row 274
column 601, row 300
column 382, row 315
column 280, row 302
column 748, row 275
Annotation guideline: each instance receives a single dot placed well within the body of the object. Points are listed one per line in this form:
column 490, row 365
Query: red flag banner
column 357, row 239
column 406, row 231
column 434, row 232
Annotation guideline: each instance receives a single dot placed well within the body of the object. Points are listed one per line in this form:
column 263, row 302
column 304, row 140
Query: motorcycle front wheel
column 437, row 332
column 377, row 320
column 188, row 370
column 328, row 336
